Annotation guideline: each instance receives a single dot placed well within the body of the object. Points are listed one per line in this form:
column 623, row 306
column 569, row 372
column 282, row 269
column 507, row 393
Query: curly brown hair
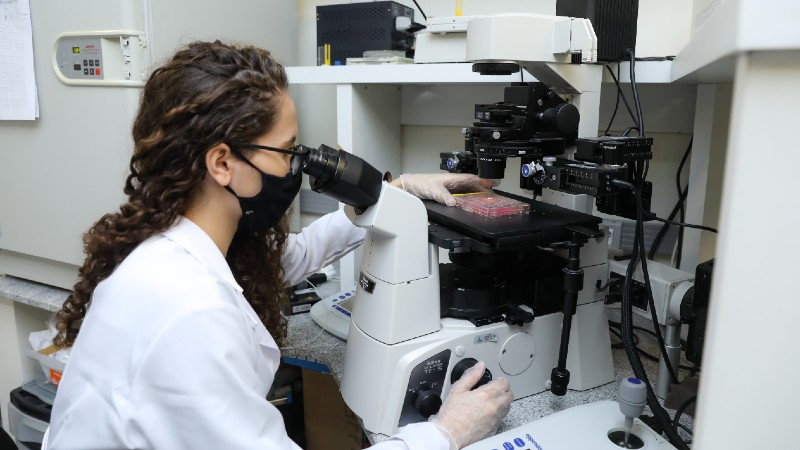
column 207, row 94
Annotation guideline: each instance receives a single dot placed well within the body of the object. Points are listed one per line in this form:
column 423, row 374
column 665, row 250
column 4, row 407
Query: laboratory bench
column 310, row 347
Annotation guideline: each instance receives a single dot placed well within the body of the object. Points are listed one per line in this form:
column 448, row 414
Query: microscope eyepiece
column 342, row 175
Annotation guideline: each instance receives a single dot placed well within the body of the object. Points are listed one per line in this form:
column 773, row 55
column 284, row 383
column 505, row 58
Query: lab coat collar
column 199, row 244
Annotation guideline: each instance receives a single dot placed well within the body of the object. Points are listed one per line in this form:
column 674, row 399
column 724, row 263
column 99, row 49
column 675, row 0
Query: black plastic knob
column 427, row 402
column 559, row 379
column 462, row 366
column 564, row 118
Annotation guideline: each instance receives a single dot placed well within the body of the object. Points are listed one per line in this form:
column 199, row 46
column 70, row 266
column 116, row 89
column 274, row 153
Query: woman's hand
column 438, row 186
column 469, row 415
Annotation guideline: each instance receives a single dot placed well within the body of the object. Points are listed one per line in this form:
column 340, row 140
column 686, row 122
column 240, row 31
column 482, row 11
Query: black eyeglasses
column 297, row 152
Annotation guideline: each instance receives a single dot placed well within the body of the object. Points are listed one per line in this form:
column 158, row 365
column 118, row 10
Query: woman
column 181, row 342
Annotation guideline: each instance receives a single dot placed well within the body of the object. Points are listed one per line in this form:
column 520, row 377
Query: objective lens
column 491, row 167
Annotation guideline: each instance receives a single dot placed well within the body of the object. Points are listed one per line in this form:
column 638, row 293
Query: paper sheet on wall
column 18, row 98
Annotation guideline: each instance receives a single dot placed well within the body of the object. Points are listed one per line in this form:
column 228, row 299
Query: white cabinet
column 17, row 321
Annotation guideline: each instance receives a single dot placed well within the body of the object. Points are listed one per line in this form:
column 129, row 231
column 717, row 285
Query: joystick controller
column 632, row 397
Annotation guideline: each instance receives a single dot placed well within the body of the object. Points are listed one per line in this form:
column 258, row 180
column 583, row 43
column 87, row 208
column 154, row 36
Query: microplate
column 490, row 204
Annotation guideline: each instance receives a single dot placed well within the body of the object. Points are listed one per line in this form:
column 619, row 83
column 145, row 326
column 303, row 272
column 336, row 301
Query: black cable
column 639, row 251
column 612, row 324
column 624, row 99
column 627, row 332
column 684, row 225
column 648, row 288
column 616, row 106
column 656, row 58
column 663, row 230
column 629, row 129
column 679, row 252
column 679, row 204
column 655, row 358
column 642, row 352
column 639, row 114
column 421, row 11
column 681, row 410
column 635, row 90
column 617, row 333
column 695, row 369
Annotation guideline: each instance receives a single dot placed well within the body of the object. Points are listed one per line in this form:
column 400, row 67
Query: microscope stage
column 452, row 227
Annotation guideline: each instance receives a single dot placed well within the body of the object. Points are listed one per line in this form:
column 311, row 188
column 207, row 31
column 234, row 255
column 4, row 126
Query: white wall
column 663, row 28
column 71, row 163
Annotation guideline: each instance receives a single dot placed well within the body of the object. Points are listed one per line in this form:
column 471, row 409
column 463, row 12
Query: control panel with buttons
column 82, row 57
column 100, row 58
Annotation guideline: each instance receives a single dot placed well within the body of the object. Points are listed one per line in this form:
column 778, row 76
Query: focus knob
column 564, row 118
column 535, row 170
column 462, row 366
column 427, row 402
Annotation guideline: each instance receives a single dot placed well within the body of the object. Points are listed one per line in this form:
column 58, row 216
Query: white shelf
column 647, row 72
column 450, row 73
column 733, row 28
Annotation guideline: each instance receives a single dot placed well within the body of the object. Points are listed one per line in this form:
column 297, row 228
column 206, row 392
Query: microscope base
column 381, row 382
column 580, row 427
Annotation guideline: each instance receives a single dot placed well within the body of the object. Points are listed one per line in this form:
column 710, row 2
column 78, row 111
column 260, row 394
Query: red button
column 97, row 71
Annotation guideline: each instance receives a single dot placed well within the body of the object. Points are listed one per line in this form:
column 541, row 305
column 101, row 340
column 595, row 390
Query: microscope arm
column 509, row 36
column 396, row 246
column 398, row 285
column 397, row 297
column 545, row 46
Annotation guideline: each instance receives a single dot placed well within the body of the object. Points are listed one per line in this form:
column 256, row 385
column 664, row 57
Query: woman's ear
column 218, row 163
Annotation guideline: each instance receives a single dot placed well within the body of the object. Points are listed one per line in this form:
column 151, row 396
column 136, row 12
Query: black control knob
column 427, row 402
column 564, row 118
column 462, row 366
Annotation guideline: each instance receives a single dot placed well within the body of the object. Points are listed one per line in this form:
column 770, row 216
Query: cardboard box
column 329, row 423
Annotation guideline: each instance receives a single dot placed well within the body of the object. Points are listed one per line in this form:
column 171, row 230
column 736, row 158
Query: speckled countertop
column 38, row 295
column 309, row 342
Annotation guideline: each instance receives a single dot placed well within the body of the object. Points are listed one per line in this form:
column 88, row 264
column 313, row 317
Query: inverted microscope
column 524, row 293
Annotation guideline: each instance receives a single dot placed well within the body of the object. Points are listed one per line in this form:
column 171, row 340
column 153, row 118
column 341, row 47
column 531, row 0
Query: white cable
column 315, row 339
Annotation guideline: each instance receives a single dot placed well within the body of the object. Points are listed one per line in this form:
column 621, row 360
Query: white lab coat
column 171, row 356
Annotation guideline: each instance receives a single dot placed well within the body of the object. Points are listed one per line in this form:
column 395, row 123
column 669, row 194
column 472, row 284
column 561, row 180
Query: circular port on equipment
column 617, row 437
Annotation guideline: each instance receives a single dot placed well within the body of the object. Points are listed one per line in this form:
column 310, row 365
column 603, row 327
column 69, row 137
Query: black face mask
column 265, row 209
